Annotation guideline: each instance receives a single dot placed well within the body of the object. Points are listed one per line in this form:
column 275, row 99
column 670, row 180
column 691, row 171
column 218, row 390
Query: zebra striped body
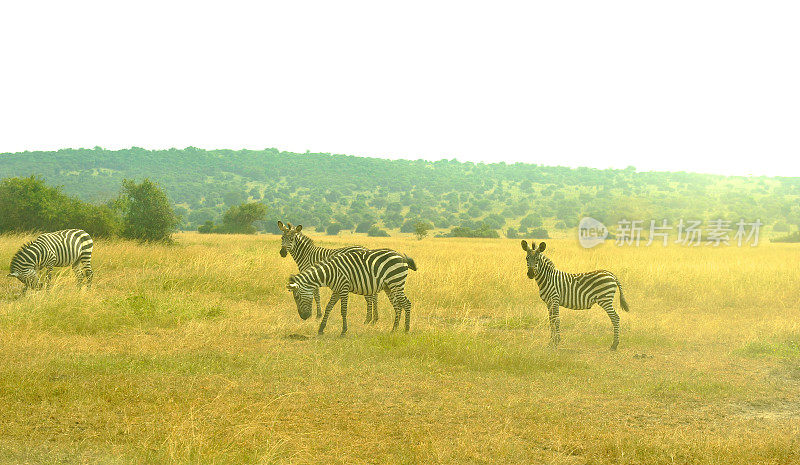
column 577, row 291
column 70, row 247
column 306, row 254
column 364, row 272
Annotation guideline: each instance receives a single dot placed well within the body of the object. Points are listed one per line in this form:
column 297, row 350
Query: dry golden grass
column 181, row 354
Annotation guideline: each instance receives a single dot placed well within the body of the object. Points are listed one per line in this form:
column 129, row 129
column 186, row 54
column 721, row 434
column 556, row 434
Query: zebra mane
column 546, row 262
column 16, row 257
column 303, row 238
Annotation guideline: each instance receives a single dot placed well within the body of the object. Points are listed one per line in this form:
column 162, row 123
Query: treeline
column 140, row 211
column 338, row 192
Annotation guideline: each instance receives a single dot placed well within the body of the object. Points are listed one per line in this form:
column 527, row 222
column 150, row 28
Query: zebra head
column 303, row 296
column 22, row 268
column 28, row 277
column 534, row 258
column 289, row 237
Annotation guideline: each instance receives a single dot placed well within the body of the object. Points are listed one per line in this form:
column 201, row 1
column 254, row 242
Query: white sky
column 679, row 85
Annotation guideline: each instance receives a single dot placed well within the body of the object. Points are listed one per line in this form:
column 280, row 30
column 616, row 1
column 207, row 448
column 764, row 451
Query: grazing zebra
column 577, row 291
column 70, row 247
column 306, row 254
column 364, row 272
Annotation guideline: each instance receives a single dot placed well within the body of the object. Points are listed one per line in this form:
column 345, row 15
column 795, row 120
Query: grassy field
column 188, row 354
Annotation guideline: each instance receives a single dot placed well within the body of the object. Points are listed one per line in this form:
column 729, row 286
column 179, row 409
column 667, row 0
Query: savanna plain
column 194, row 353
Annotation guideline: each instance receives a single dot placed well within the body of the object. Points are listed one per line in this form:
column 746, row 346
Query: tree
column 421, row 229
column 206, row 228
column 364, row 226
column 333, row 229
column 28, row 204
column 148, row 215
column 239, row 219
column 233, row 198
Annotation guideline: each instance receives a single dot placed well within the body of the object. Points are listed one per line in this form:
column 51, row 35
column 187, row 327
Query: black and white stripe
column 577, row 291
column 70, row 247
column 306, row 254
column 364, row 272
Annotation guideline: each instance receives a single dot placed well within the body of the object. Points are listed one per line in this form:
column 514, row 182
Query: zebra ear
column 298, row 228
column 524, row 245
column 281, row 226
column 542, row 246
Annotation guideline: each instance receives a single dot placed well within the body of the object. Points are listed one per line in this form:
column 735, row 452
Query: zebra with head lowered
column 70, row 247
column 578, row 291
column 306, row 254
column 364, row 272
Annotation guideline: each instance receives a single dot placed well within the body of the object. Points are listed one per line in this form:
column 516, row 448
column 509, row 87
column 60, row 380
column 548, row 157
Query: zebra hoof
column 613, row 347
column 343, row 334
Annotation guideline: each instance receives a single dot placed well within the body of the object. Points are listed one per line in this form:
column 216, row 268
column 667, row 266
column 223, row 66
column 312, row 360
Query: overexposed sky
column 681, row 85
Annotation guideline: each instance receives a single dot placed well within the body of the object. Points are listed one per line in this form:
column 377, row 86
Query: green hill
column 317, row 189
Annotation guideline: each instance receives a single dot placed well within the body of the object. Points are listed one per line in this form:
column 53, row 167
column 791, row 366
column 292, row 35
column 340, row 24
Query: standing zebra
column 577, row 291
column 70, row 247
column 364, row 272
column 306, row 254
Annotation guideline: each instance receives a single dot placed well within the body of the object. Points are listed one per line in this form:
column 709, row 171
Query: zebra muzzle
column 283, row 252
column 530, row 273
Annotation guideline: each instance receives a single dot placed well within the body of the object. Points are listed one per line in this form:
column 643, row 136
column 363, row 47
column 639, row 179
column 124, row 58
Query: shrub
column 481, row 231
column 781, row 226
column 377, row 232
column 538, row 233
column 794, row 237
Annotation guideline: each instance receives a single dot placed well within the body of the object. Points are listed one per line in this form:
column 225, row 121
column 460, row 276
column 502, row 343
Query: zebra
column 364, row 272
column 578, row 291
column 306, row 254
column 69, row 247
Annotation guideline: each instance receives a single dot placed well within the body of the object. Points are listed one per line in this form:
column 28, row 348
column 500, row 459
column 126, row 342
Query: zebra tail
column 410, row 263
column 622, row 301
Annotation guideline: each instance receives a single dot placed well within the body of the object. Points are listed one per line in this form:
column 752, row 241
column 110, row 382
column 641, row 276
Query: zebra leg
column 608, row 306
column 344, row 314
column 407, row 307
column 89, row 273
column 328, row 308
column 78, row 270
column 555, row 325
column 317, row 301
column 47, row 277
column 397, row 309
column 369, row 309
column 374, row 299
